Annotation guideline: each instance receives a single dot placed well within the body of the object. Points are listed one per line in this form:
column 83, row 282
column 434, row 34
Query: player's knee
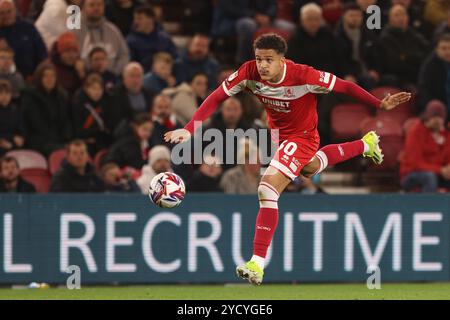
column 268, row 195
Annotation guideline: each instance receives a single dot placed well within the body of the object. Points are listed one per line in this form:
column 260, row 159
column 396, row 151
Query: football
column 167, row 190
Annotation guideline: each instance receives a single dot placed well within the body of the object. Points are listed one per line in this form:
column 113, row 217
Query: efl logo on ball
column 167, row 190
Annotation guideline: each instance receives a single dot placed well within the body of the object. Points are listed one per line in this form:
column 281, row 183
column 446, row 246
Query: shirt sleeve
column 317, row 81
column 237, row 81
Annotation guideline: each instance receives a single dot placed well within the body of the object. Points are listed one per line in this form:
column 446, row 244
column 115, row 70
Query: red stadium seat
column 400, row 113
column 382, row 125
column 55, row 159
column 40, row 178
column 391, row 134
column 382, row 92
column 29, row 159
column 282, row 33
column 345, row 120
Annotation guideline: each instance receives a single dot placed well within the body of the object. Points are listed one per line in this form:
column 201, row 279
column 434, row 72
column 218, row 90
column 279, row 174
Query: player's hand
column 391, row 101
column 177, row 136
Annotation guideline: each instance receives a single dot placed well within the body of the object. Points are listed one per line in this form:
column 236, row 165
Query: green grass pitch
column 239, row 292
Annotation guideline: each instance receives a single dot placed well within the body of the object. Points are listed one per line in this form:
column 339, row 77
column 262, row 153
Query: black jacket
column 46, row 119
column 368, row 51
column 321, row 52
column 402, row 52
column 10, row 124
column 121, row 108
column 67, row 179
column 22, row 187
column 85, row 124
column 126, row 151
column 201, row 183
column 432, row 79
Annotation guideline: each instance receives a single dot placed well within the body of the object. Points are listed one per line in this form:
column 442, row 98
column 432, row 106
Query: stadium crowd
column 85, row 110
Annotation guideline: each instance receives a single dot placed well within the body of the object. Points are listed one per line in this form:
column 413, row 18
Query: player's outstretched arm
column 203, row 112
column 355, row 91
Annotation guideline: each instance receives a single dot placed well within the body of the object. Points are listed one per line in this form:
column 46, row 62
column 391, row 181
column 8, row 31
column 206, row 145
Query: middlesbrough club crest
column 289, row 92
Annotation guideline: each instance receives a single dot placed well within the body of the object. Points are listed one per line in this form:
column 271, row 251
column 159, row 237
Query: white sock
column 366, row 146
column 259, row 261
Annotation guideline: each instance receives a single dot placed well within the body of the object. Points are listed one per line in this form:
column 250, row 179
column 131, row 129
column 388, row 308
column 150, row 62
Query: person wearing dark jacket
column 131, row 149
column 434, row 75
column 116, row 181
column 164, row 119
column 359, row 47
column 23, row 37
column 65, row 55
column 98, row 63
column 242, row 18
column 76, row 174
column 120, row 12
column 314, row 44
column 91, row 109
column 207, row 177
column 11, row 133
column 197, row 60
column 130, row 98
column 145, row 39
column 10, row 179
column 46, row 112
column 402, row 50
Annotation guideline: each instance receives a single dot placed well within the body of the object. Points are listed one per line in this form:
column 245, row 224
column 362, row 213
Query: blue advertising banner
column 125, row 239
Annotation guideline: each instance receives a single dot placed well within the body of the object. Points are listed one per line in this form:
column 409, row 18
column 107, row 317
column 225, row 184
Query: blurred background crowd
column 85, row 110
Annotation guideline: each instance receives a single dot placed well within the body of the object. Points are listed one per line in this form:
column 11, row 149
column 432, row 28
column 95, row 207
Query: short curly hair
column 271, row 41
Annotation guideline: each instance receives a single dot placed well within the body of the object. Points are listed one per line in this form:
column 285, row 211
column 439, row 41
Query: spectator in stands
column 164, row 119
column 130, row 98
column 402, row 49
column 158, row 162
column 161, row 75
column 207, row 177
column 436, row 11
column 243, row 178
column 116, row 181
column 434, row 75
column 285, row 18
column 45, row 112
column 131, row 149
column 314, row 44
column 11, row 136
column 359, row 47
column 230, row 117
column 120, row 12
column 242, row 18
column 65, row 55
column 96, row 31
column 145, row 39
column 188, row 96
column 197, row 59
column 22, row 37
column 10, row 179
column 76, row 174
column 426, row 159
column 52, row 21
column 98, row 63
column 91, row 115
column 415, row 11
column 8, row 71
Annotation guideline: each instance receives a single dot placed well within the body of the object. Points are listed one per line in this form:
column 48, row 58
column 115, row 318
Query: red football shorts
column 293, row 154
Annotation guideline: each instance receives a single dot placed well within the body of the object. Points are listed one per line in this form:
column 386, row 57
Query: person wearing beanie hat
column 65, row 54
column 425, row 163
column 158, row 162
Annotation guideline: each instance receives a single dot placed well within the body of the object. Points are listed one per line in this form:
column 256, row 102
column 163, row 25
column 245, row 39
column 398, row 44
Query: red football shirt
column 291, row 103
